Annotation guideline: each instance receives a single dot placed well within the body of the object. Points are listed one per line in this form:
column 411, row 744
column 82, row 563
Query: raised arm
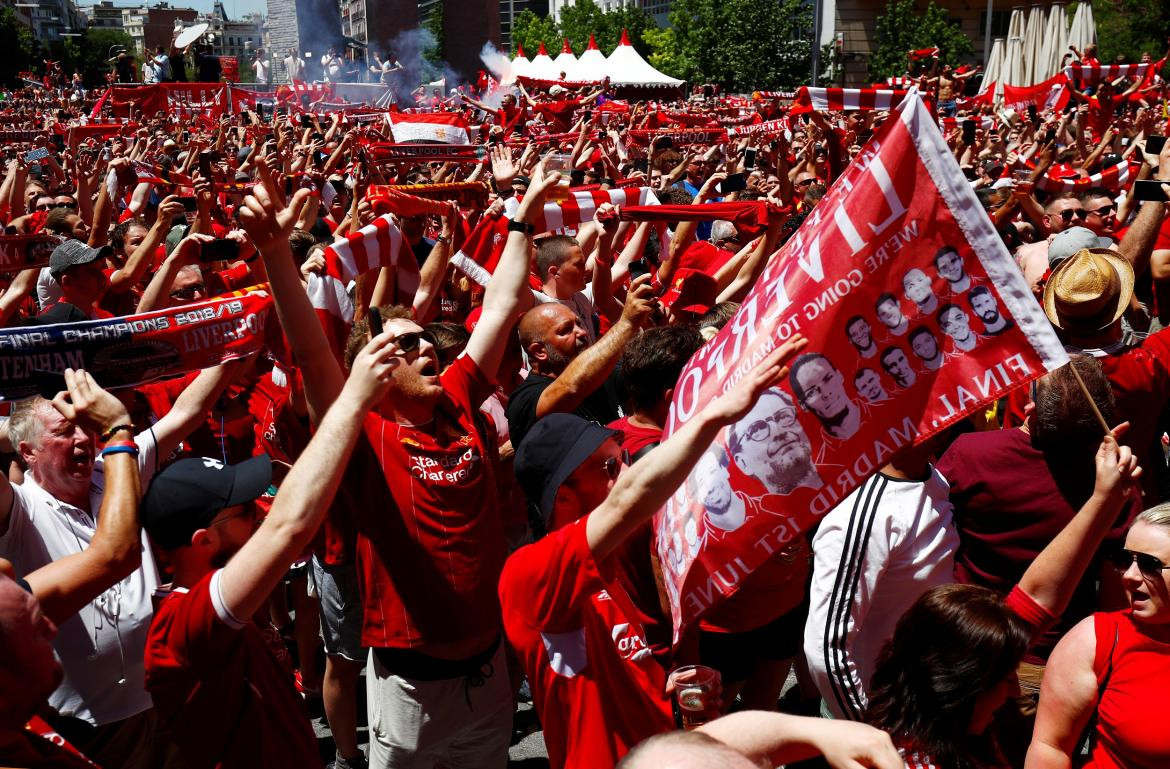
column 126, row 278
column 595, row 363
column 67, row 584
column 192, row 405
column 1054, row 574
column 506, row 296
column 268, row 222
column 644, row 487
column 308, row 489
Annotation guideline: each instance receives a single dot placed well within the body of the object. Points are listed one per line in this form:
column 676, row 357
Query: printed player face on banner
column 894, row 354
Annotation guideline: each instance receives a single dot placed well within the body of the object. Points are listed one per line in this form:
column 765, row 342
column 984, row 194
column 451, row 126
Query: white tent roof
column 565, row 61
column 591, row 65
column 627, row 67
column 542, row 67
column 520, row 65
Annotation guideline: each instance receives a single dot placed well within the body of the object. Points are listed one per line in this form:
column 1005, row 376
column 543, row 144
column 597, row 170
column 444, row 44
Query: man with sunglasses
column 1100, row 212
column 419, row 519
column 595, row 686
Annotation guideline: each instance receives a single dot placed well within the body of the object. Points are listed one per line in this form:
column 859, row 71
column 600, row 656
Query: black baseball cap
column 188, row 494
column 61, row 312
column 553, row 448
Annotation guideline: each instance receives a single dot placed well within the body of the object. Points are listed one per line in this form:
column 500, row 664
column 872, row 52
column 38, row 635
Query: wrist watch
column 518, row 226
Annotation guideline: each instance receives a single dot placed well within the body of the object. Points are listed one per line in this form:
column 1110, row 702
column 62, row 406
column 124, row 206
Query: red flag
column 935, row 347
column 924, row 53
column 1050, row 96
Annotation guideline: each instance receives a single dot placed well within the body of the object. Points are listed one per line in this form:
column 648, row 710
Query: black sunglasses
column 409, row 341
column 1068, row 214
column 1147, row 564
column 1103, row 210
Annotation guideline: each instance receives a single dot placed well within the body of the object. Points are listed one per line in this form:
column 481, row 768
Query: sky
column 235, row 8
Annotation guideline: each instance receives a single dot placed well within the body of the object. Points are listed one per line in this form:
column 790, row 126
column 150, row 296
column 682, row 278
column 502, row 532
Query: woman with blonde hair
column 1114, row 667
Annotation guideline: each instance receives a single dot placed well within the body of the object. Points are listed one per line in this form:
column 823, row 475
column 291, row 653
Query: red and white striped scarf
column 378, row 244
column 1114, row 178
column 757, row 129
column 826, row 99
column 1089, row 74
column 481, row 252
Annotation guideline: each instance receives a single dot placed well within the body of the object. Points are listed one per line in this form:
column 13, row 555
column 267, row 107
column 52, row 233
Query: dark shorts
column 735, row 655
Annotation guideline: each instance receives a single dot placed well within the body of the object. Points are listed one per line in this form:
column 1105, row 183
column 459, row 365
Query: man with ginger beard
column 567, row 373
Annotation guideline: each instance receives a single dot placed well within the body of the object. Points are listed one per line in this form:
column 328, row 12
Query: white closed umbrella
column 1084, row 30
column 993, row 75
column 1055, row 39
column 1033, row 42
column 1013, row 67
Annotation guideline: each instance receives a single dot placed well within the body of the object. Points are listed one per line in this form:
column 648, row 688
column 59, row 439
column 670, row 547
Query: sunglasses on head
column 1068, row 214
column 1147, row 564
column 409, row 341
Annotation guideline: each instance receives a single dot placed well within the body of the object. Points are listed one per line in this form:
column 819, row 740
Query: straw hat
column 1089, row 291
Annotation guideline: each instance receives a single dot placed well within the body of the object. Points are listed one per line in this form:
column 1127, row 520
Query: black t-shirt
column 601, row 406
column 209, row 68
column 422, row 250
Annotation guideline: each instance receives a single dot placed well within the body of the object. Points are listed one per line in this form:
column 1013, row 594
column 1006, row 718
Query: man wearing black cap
column 596, row 689
column 77, row 267
column 214, row 680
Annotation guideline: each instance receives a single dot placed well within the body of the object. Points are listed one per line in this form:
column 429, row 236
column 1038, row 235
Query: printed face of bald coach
column 770, row 445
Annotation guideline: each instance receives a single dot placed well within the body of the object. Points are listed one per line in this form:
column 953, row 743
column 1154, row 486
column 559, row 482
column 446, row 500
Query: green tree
column 93, row 52
column 665, row 55
column 530, row 30
column 903, row 28
column 434, row 24
column 740, row 44
column 1129, row 28
column 17, row 39
column 584, row 18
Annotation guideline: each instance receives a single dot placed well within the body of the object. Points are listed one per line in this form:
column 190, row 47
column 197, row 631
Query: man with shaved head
column 567, row 373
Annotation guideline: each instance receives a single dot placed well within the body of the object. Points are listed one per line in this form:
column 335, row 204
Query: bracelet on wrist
column 128, row 427
column 121, row 447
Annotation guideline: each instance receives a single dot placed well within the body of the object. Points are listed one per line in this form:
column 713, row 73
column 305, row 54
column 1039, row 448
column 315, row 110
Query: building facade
column 102, row 15
column 307, row 29
column 658, row 9
column 237, row 38
column 510, row 9
column 155, row 26
column 50, row 20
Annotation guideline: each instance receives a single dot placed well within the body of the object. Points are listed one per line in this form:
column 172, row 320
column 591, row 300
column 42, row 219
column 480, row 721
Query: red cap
column 690, row 290
column 473, row 318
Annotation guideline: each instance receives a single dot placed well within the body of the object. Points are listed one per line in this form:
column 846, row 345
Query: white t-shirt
column 48, row 289
column 106, row 640
column 581, row 303
column 260, row 67
column 874, row 554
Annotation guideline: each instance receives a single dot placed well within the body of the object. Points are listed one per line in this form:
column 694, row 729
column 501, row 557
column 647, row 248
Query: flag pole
column 1089, row 398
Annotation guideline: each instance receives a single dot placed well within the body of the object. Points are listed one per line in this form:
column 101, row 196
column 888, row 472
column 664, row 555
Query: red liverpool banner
column 679, row 136
column 20, row 252
column 185, row 100
column 1051, row 95
column 126, row 351
column 915, row 316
